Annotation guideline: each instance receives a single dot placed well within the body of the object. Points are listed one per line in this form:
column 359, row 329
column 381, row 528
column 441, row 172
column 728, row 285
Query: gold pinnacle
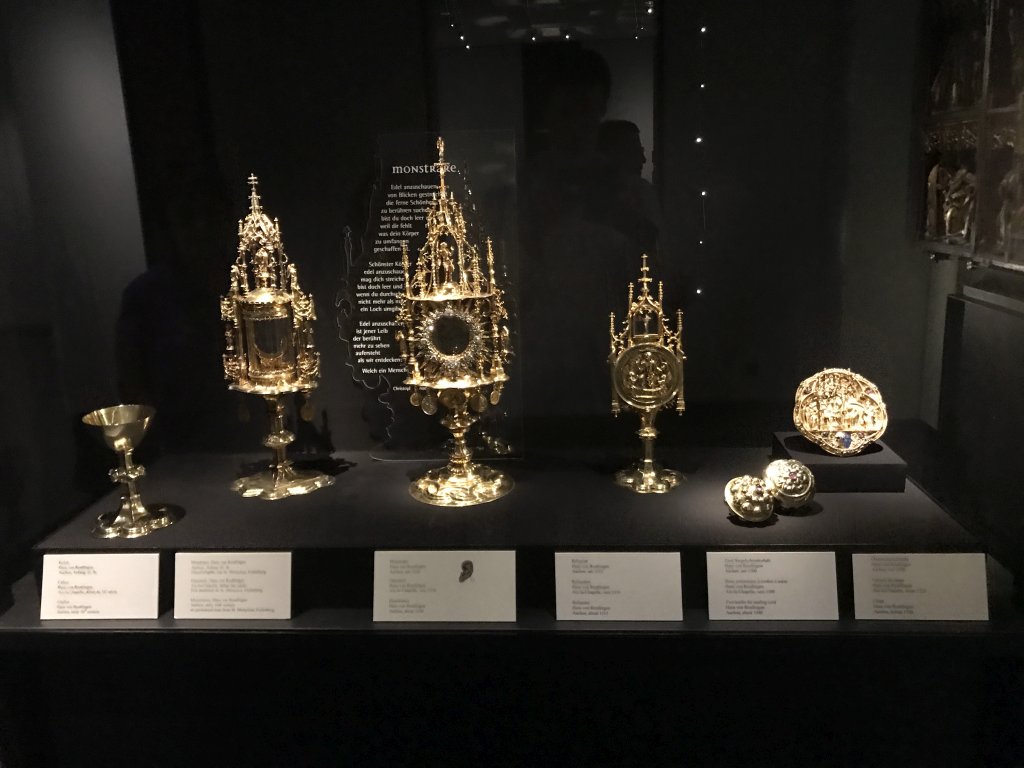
column 440, row 162
column 254, row 199
column 645, row 278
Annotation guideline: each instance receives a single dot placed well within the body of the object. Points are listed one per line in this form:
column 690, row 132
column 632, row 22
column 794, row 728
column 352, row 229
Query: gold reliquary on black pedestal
column 453, row 338
column 269, row 345
column 646, row 361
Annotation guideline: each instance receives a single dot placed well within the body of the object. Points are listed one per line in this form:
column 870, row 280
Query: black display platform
column 877, row 469
column 560, row 502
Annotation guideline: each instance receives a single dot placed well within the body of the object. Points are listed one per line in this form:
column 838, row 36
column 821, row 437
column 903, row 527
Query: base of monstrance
column 646, row 477
column 461, row 487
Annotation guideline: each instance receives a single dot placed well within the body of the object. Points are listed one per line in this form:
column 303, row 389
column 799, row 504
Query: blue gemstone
column 845, row 439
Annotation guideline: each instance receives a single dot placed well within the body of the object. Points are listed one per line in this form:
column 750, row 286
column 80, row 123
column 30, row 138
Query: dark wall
column 217, row 91
column 800, row 114
column 773, row 118
column 982, row 413
column 70, row 241
column 885, row 276
column 299, row 99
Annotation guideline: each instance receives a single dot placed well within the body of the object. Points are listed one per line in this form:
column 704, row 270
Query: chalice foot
column 117, row 525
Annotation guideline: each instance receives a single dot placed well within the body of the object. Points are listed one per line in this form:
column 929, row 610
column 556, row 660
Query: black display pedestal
column 561, row 502
column 336, row 683
column 877, row 469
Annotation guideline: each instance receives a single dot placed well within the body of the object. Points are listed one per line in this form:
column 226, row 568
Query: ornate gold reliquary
column 454, row 340
column 646, row 361
column 269, row 344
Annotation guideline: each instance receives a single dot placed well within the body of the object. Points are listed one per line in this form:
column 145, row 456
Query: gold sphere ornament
column 791, row 482
column 839, row 411
column 750, row 498
column 453, row 338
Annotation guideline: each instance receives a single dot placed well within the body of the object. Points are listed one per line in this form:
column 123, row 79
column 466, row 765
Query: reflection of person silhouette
column 637, row 207
column 562, row 177
column 578, row 256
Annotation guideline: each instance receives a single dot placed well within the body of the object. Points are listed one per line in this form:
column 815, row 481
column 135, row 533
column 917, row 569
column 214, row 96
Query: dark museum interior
column 815, row 185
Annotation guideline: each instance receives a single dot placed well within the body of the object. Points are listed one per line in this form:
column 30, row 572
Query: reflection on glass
column 576, row 81
column 271, row 349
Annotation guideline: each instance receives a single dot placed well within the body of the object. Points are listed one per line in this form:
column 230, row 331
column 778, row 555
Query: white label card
column 100, row 586
column 923, row 586
column 618, row 586
column 444, row 585
column 750, row 586
column 233, row 585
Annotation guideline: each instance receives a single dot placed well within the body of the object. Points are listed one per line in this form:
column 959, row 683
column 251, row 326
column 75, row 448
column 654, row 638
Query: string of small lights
column 454, row 23
column 638, row 25
column 699, row 138
column 641, row 10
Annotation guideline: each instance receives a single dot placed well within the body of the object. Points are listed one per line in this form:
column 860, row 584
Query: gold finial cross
column 440, row 162
column 254, row 199
column 645, row 277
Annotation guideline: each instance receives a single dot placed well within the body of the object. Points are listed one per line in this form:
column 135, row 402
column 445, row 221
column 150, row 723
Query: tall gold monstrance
column 646, row 361
column 269, row 345
column 454, row 341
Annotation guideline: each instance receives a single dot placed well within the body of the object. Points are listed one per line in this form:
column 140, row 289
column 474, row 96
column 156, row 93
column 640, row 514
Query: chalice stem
column 128, row 474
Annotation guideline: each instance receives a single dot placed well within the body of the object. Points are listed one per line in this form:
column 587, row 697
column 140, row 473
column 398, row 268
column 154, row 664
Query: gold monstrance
column 646, row 362
column 453, row 340
column 270, row 350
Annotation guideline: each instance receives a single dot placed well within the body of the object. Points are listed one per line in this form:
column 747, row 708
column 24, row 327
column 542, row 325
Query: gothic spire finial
column 645, row 277
column 440, row 162
column 254, row 198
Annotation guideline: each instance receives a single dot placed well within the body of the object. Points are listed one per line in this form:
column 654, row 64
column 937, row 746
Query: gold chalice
column 123, row 427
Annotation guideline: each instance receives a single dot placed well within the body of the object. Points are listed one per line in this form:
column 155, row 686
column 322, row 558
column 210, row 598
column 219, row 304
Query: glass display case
column 470, row 190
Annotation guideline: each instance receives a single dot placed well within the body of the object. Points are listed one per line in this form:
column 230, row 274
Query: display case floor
column 562, row 501
column 559, row 501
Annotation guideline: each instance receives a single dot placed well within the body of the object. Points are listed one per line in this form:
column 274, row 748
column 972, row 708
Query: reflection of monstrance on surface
column 270, row 350
column 647, row 374
column 452, row 337
column 839, row 411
